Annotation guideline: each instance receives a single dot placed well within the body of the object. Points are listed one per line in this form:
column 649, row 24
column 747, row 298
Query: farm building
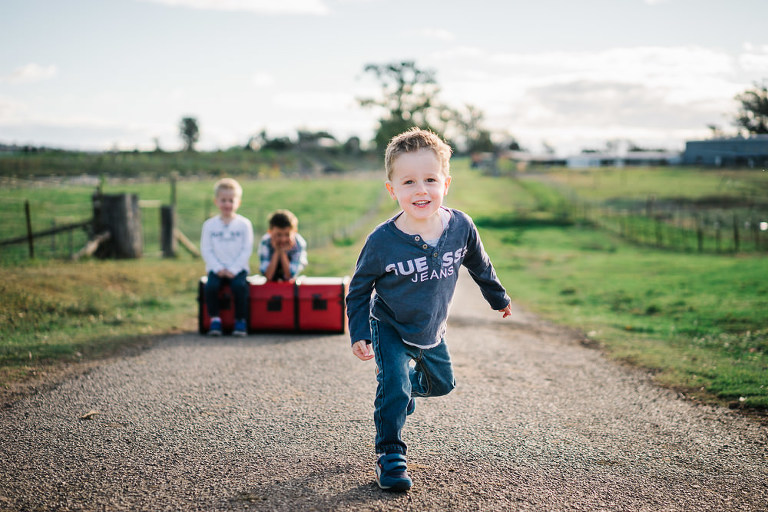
column 728, row 152
column 622, row 158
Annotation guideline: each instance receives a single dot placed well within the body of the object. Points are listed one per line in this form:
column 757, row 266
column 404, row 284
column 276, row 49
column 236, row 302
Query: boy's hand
column 276, row 246
column 282, row 245
column 362, row 350
column 507, row 310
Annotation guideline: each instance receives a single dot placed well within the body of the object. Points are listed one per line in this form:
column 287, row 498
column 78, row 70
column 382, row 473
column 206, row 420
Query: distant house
column 728, row 152
column 622, row 158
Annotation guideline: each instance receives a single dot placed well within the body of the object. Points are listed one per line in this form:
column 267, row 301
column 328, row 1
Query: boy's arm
column 265, row 254
column 359, row 297
column 212, row 263
column 298, row 257
column 242, row 261
column 481, row 269
column 269, row 270
column 285, row 265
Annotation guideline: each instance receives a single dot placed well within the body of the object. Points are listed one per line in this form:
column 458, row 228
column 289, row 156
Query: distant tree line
column 753, row 110
column 751, row 117
column 409, row 97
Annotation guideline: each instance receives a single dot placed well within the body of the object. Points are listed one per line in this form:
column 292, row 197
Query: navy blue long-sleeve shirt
column 403, row 281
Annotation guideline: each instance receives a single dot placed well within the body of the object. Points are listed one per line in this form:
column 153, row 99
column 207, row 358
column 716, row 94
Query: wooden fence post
column 174, row 176
column 119, row 215
column 30, row 237
column 718, row 223
column 699, row 233
column 658, row 225
column 167, row 229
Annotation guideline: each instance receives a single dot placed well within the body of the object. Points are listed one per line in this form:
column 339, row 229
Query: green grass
column 638, row 183
column 326, row 208
column 257, row 164
column 697, row 321
column 55, row 312
column 58, row 312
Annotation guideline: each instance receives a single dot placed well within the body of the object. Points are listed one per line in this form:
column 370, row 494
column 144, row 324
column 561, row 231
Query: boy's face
column 227, row 202
column 282, row 238
column 418, row 183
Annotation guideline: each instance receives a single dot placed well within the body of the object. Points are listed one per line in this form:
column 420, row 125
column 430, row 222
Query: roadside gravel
column 284, row 422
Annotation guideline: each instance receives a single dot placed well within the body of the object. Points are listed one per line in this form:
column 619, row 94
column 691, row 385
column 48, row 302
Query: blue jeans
column 239, row 287
column 432, row 375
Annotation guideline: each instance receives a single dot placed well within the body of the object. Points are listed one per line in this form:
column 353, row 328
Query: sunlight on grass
column 696, row 320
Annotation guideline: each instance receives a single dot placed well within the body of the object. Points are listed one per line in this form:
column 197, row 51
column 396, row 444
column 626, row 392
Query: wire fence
column 41, row 236
column 681, row 227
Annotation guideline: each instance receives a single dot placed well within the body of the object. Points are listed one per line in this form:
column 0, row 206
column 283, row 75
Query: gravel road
column 284, row 422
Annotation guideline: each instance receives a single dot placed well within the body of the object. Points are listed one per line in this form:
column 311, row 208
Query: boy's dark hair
column 283, row 219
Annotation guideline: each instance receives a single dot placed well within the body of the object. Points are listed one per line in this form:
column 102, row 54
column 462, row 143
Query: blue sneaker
column 411, row 407
column 215, row 329
column 240, row 329
column 391, row 472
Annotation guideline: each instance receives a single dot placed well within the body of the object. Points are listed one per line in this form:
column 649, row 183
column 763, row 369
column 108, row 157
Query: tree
column 753, row 114
column 408, row 98
column 189, row 132
column 469, row 127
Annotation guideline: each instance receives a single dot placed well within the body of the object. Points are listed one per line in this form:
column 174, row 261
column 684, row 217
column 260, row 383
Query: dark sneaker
column 391, row 472
column 240, row 329
column 215, row 329
column 411, row 407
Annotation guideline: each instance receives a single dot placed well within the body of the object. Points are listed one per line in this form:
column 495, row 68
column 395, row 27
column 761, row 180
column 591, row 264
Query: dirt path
column 273, row 422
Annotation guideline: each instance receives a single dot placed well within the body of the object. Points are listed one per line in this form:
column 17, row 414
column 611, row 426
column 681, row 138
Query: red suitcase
column 226, row 308
column 321, row 304
column 273, row 305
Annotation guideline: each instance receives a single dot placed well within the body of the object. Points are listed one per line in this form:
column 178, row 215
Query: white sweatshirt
column 227, row 246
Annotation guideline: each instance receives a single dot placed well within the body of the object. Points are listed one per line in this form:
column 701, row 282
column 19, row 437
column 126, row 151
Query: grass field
column 326, row 208
column 696, row 320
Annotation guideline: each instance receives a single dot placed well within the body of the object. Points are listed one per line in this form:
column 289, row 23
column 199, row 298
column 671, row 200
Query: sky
column 106, row 74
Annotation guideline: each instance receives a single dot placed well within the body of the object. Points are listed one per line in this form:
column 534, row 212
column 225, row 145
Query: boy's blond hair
column 414, row 140
column 283, row 219
column 228, row 184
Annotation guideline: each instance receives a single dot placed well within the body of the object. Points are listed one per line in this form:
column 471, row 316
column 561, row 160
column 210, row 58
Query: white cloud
column 11, row 110
column 631, row 92
column 599, row 104
column 262, row 79
column 437, row 33
column 678, row 75
column 313, row 7
column 650, row 65
column 30, row 73
column 315, row 101
column 755, row 58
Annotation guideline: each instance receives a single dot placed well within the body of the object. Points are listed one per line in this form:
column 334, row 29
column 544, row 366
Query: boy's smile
column 282, row 238
column 418, row 184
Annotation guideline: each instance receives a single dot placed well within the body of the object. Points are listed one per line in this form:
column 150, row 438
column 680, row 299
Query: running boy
column 410, row 264
column 282, row 250
column 226, row 245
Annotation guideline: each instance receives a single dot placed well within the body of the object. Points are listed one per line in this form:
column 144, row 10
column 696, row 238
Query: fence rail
column 47, row 232
column 681, row 229
column 186, row 224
